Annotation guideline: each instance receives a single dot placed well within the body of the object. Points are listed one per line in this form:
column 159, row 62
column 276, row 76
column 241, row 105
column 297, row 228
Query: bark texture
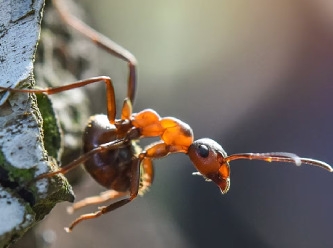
column 23, row 128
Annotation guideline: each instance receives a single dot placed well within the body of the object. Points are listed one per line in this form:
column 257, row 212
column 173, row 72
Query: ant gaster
column 113, row 158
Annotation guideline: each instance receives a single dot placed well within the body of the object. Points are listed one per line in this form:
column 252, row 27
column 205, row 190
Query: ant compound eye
column 203, row 151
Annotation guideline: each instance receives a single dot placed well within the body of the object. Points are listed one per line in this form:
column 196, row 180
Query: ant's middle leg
column 83, row 158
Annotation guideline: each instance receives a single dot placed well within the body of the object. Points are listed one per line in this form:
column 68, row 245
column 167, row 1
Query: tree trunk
column 29, row 140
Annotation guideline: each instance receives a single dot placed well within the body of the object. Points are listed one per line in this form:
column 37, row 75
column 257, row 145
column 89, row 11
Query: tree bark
column 22, row 127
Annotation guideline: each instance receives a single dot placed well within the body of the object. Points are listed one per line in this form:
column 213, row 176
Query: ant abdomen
column 111, row 168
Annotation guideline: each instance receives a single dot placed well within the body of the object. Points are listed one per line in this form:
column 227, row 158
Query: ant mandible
column 111, row 154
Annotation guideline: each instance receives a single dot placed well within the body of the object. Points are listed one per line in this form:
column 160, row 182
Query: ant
column 110, row 151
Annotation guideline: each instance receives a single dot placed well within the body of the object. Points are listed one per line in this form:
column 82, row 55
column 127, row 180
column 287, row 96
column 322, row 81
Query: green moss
column 13, row 178
column 2, row 159
column 58, row 187
column 12, row 174
column 59, row 190
column 52, row 135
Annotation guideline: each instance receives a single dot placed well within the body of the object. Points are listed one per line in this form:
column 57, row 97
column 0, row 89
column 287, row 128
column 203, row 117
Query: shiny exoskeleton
column 111, row 154
column 110, row 169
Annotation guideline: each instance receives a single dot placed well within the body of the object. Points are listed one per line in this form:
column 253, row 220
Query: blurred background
column 256, row 76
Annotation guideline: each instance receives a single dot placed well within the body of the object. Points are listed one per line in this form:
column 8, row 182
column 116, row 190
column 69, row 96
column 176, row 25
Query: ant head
column 208, row 158
column 212, row 161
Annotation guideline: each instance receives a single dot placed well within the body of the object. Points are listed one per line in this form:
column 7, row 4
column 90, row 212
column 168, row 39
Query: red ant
column 111, row 155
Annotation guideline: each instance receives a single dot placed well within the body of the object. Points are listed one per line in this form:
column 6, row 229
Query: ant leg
column 126, row 111
column 134, row 188
column 279, row 157
column 102, row 148
column 147, row 175
column 103, row 197
column 147, row 178
column 110, row 95
column 103, row 42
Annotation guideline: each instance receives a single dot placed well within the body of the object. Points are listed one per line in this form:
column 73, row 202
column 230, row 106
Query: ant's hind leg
column 134, row 188
column 103, row 197
column 147, row 179
column 110, row 95
column 104, row 43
